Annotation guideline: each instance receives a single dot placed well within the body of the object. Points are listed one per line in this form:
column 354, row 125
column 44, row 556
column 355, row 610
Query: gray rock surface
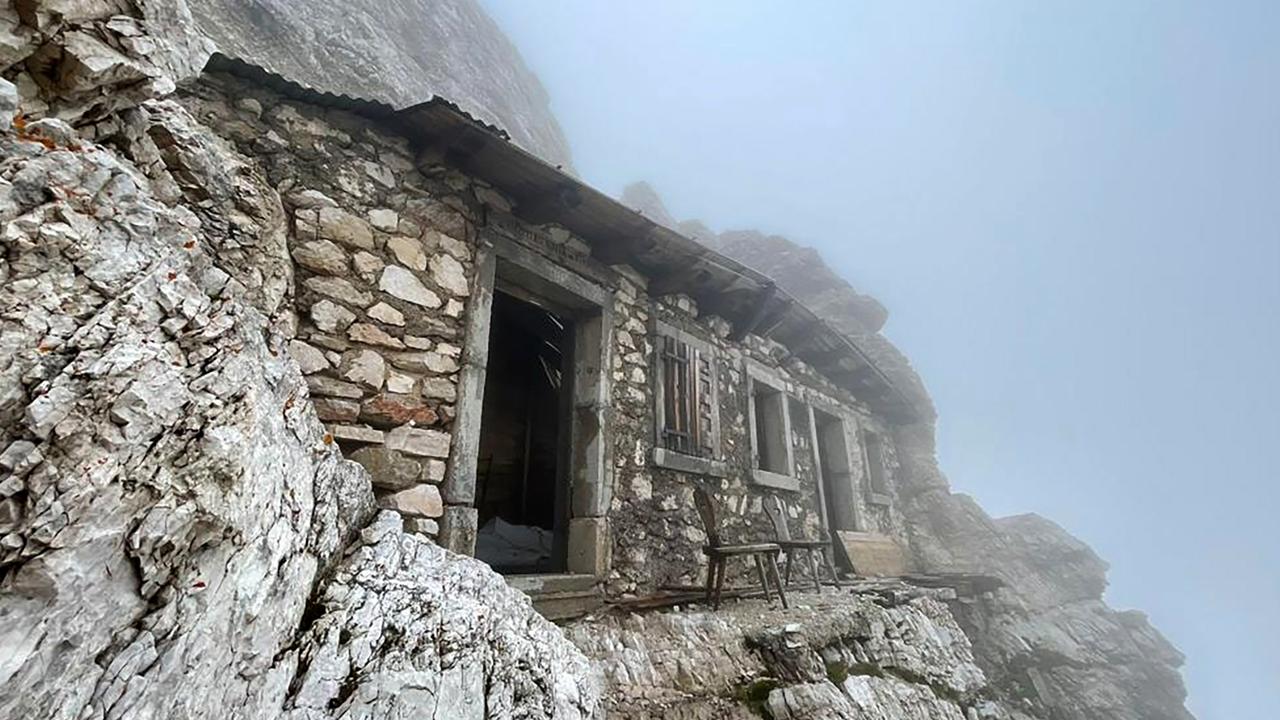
column 835, row 655
column 401, row 52
column 408, row 630
column 179, row 536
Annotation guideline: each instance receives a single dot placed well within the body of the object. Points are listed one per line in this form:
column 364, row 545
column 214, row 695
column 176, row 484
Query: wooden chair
column 777, row 512
column 718, row 553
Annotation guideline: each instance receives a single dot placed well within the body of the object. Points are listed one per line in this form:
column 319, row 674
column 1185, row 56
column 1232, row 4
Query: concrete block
column 589, row 546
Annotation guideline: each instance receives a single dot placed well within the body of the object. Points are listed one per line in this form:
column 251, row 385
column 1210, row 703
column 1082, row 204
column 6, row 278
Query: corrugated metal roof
column 616, row 233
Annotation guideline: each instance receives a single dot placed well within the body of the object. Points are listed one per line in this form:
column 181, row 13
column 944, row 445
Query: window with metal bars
column 687, row 422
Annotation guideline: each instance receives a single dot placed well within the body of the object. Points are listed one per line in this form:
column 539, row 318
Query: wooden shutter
column 706, row 403
column 679, row 370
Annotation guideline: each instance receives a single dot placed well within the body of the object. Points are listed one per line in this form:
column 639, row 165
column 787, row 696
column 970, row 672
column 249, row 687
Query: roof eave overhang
column 440, row 131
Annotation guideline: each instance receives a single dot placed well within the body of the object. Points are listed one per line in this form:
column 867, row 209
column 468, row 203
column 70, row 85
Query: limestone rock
column 420, row 49
column 365, row 367
column 384, row 219
column 420, row 500
column 389, row 469
column 339, row 289
column 321, row 256
column 341, row 226
column 336, row 410
column 391, row 410
column 407, row 629
column 408, row 252
column 419, row 442
column 310, row 360
column 384, row 313
column 835, row 655
column 449, row 274
column 438, row 388
column 331, row 317
column 403, row 284
column 370, row 334
column 208, row 513
column 430, row 362
column 326, row 386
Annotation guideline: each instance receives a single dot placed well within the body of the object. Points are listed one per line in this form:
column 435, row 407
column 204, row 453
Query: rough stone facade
column 383, row 263
column 383, row 269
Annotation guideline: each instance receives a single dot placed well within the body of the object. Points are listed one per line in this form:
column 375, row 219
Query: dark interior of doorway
column 521, row 483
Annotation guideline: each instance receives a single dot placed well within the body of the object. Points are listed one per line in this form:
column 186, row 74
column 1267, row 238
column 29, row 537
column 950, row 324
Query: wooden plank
column 873, row 555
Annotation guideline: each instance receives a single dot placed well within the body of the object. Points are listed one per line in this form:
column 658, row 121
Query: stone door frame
column 502, row 261
column 850, row 426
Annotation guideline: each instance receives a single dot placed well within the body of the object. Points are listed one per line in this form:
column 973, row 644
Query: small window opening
column 771, row 429
column 875, row 463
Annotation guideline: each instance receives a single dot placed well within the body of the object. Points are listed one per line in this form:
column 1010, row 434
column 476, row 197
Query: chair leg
column 764, row 582
column 711, row 577
column 813, row 568
column 787, row 578
column 831, row 567
column 773, row 566
column 715, row 605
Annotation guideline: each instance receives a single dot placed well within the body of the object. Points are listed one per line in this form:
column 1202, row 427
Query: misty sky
column 1072, row 211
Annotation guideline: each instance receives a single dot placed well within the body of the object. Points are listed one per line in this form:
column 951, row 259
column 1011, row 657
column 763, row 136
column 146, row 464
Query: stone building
column 537, row 375
column 202, row 260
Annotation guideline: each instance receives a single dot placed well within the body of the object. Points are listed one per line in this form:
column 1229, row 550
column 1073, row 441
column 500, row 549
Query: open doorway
column 839, row 489
column 522, row 483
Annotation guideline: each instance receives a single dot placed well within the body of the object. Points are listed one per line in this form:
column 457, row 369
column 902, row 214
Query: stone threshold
column 560, row 596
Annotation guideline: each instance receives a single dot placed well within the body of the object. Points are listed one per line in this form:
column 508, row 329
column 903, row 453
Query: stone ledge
column 775, row 480
column 672, row 460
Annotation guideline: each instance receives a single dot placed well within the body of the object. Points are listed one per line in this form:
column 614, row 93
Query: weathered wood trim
column 459, row 485
column 816, row 452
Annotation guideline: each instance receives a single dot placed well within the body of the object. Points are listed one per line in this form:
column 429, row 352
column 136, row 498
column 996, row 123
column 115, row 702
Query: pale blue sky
column 1072, row 211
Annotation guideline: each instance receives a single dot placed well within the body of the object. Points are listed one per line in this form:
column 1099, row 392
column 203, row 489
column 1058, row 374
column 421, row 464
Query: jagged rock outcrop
column 179, row 537
column 401, row 52
column 408, row 630
column 895, row 655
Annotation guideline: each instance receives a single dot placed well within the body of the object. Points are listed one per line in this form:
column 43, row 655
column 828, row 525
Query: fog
column 1072, row 212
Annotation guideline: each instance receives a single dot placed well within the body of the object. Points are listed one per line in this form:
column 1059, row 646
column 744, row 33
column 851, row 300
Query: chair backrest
column 707, row 511
column 777, row 512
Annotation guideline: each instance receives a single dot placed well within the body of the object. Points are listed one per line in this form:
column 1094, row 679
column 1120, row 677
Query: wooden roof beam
column 544, row 207
column 759, row 310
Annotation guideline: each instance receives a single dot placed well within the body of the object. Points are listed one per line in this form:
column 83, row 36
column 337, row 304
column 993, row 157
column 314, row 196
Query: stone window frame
column 713, row 466
column 878, row 493
column 758, row 374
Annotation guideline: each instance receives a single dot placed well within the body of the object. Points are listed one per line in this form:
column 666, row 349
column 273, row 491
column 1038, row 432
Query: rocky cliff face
column 178, row 535
column 401, row 52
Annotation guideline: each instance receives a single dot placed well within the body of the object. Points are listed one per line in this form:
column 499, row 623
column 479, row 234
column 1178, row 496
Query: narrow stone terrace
column 881, row 648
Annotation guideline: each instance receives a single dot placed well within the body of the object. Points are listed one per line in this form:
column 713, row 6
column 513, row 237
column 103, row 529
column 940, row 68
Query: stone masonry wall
column 657, row 534
column 383, row 261
column 383, row 257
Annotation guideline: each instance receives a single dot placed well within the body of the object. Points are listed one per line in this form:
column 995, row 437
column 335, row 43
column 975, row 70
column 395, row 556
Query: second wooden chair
column 777, row 513
column 718, row 553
